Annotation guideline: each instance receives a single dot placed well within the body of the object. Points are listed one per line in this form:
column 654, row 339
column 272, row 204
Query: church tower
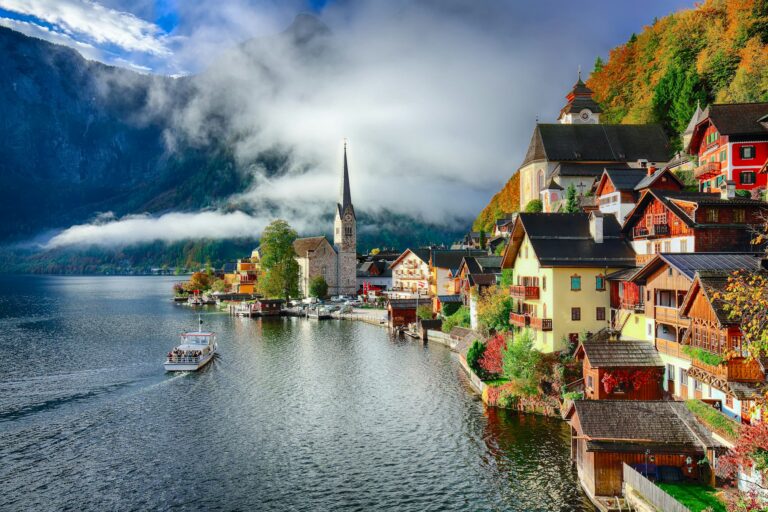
column 580, row 108
column 345, row 236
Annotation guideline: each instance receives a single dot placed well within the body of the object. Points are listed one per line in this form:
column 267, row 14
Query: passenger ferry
column 195, row 351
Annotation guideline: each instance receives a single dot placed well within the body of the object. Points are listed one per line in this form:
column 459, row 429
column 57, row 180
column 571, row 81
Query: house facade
column 410, row 273
column 621, row 370
column 560, row 262
column 618, row 190
column 731, row 144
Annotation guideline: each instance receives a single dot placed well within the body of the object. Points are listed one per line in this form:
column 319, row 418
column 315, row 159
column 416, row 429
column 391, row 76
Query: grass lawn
column 695, row 497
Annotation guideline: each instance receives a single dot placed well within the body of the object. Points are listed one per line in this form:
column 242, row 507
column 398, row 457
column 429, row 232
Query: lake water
column 293, row 415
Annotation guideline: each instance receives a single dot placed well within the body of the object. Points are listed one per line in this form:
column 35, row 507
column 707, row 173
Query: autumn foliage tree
column 492, row 360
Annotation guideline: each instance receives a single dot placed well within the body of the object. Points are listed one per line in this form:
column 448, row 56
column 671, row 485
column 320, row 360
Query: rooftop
column 615, row 354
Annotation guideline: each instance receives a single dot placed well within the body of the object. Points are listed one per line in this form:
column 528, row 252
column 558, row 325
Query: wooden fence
column 651, row 492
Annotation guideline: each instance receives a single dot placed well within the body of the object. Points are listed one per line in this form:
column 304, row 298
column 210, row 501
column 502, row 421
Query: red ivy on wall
column 626, row 378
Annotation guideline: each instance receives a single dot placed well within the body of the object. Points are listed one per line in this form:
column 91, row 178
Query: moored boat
column 195, row 351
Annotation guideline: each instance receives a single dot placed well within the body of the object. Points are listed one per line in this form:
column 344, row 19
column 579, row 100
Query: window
column 683, row 245
column 600, row 283
column 747, row 152
column 575, row 283
column 723, row 155
column 670, row 372
column 683, row 377
column 526, row 252
column 712, row 215
column 729, row 401
column 667, row 246
column 697, row 385
column 590, row 382
column 575, row 314
column 348, row 230
column 739, row 215
column 648, row 248
column 600, row 314
column 544, row 283
column 747, row 178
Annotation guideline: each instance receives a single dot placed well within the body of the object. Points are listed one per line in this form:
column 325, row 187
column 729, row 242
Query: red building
column 731, row 143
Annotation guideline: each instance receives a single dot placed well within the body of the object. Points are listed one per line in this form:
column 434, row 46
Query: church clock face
column 585, row 114
column 348, row 217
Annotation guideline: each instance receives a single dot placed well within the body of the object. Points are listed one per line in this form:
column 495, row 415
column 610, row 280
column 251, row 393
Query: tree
column 199, row 281
column 750, row 450
column 280, row 270
column 493, row 308
column 219, row 286
column 521, row 362
column 571, row 200
column 482, row 240
column 318, row 287
column 375, row 251
column 492, row 361
column 598, row 65
column 507, row 277
column 424, row 312
column 460, row 318
column 474, row 354
column 534, row 206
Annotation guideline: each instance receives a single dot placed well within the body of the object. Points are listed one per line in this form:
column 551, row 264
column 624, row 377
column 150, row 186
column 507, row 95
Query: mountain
column 715, row 52
column 506, row 200
column 78, row 138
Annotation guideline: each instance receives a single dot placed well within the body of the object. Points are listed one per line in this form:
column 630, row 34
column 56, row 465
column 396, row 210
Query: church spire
column 345, row 194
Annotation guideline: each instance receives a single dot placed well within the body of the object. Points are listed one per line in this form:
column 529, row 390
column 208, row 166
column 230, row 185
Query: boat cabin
column 268, row 307
column 659, row 438
column 621, row 370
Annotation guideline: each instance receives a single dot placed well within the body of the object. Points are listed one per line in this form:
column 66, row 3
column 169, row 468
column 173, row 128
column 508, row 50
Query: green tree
column 458, row 319
column 482, row 240
column 521, row 362
column 598, row 65
column 507, row 277
column 571, row 200
column 280, row 270
column 219, row 286
column 474, row 354
column 318, row 287
column 424, row 312
column 493, row 308
column 534, row 206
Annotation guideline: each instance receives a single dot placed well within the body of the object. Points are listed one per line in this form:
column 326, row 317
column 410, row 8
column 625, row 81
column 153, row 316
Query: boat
column 195, row 351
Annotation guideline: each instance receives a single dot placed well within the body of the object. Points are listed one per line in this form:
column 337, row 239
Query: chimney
column 651, row 169
column 728, row 190
column 596, row 226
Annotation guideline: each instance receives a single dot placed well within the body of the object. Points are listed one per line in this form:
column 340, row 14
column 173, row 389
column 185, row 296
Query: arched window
column 541, row 179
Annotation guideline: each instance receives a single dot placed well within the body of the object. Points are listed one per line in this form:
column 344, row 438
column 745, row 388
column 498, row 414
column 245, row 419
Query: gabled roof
column 689, row 263
column 649, row 180
column 564, row 240
column 620, row 354
column 711, row 283
column 406, row 303
column 422, row 253
column 448, row 299
column 623, row 180
column 488, row 279
column 695, row 119
column 451, row 259
column 634, row 425
column 303, row 246
column 553, row 185
column 580, row 98
column 489, row 263
column 736, row 120
column 598, row 143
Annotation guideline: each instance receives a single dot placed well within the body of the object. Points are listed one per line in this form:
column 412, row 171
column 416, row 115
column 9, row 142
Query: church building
column 337, row 263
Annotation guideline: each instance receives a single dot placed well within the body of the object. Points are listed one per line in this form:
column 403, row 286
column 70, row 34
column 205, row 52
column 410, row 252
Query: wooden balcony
column 738, row 369
column 519, row 320
column 707, row 170
column 671, row 348
column 541, row 324
column 524, row 292
column 652, row 231
column 669, row 316
column 632, row 305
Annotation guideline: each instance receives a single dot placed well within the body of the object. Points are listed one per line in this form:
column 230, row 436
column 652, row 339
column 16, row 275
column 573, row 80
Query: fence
column 651, row 492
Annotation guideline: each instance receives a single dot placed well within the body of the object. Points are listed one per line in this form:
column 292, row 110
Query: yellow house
column 246, row 274
column 560, row 263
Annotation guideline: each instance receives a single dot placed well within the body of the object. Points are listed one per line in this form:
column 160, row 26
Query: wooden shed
column 403, row 311
column 621, row 370
column 268, row 307
column 660, row 438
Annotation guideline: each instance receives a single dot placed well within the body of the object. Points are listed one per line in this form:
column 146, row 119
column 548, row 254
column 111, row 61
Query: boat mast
column 199, row 323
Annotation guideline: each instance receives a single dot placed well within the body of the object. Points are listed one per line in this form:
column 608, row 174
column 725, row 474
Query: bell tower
column 581, row 108
column 345, row 235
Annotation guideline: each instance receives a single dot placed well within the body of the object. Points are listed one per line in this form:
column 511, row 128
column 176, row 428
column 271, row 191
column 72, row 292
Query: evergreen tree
column 571, row 200
column 598, row 65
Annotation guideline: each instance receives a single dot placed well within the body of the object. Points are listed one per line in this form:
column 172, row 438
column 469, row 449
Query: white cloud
column 97, row 24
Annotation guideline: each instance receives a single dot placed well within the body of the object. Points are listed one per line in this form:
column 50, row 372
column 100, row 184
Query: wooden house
column 628, row 320
column 667, row 221
column 660, row 433
column 268, row 307
column 621, row 370
column 618, row 190
column 402, row 312
column 738, row 380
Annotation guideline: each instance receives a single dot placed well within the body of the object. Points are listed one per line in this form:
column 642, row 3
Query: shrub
column 714, row 419
column 493, row 310
column 573, row 395
column 534, row 206
column 704, row 356
column 318, row 287
column 424, row 312
column 450, row 308
column 474, row 354
column 521, row 363
column 459, row 319
column 492, row 361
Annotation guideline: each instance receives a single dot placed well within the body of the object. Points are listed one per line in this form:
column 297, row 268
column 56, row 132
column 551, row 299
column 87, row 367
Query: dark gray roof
column 445, row 258
column 563, row 239
column 598, row 143
column 738, row 118
column 623, row 275
column 619, row 425
column 690, row 263
column 626, row 179
column 577, row 169
column 407, row 303
column 614, row 354
column 553, row 185
column 488, row 279
column 447, row 299
column 489, row 263
column 346, row 195
column 649, row 179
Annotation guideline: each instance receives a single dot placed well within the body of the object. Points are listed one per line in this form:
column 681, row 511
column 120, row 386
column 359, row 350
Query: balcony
column 737, row 369
column 632, row 305
column 524, row 292
column 671, row 348
column 541, row 324
column 707, row 170
column 669, row 316
column 654, row 230
column 519, row 319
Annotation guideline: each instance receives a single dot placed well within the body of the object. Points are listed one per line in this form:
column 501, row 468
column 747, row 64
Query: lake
column 292, row 415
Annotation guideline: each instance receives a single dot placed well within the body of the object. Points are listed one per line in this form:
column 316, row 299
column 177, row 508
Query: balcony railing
column 632, row 305
column 651, row 231
column 669, row 316
column 519, row 319
column 737, row 369
column 541, row 324
column 672, row 348
column 524, row 292
column 707, row 170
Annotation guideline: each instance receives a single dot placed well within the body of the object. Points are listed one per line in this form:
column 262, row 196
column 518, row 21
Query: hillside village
column 618, row 275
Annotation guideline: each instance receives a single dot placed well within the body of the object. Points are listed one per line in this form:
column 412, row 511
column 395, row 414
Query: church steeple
column 580, row 108
column 345, row 196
